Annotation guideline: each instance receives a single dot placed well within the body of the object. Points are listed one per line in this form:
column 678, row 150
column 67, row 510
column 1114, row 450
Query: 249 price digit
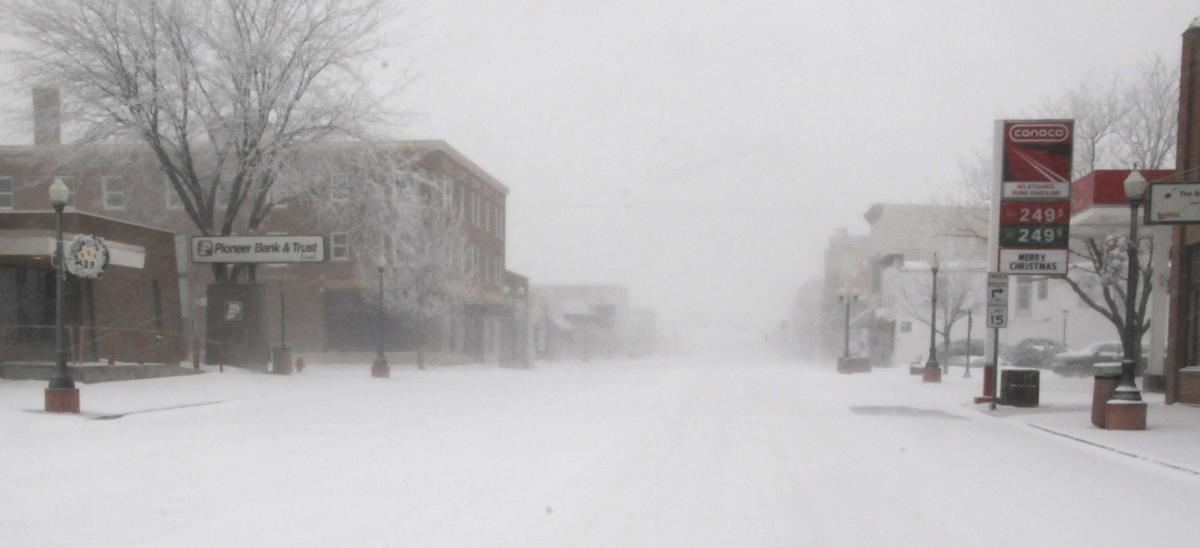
column 1033, row 236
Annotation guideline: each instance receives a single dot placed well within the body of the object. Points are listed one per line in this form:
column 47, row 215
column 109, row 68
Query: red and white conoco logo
column 1038, row 133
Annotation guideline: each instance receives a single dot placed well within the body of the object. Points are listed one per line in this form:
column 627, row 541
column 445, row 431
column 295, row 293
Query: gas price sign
column 1035, row 197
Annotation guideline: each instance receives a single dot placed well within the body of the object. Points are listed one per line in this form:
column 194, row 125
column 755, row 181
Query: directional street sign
column 997, row 300
column 997, row 288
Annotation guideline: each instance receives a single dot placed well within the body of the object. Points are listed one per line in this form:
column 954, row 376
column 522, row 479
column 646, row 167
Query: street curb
column 1115, row 450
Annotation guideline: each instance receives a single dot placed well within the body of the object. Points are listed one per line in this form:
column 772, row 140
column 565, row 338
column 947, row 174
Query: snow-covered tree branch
column 222, row 94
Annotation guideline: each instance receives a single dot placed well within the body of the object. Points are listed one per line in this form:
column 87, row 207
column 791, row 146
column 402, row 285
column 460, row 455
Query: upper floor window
column 114, row 191
column 6, row 193
column 339, row 188
column 339, row 246
column 173, row 199
column 1043, row 289
column 1024, row 297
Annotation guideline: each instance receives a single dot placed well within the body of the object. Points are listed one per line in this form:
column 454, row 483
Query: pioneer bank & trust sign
column 258, row 249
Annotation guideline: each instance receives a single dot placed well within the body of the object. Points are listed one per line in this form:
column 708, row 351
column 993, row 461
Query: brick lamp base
column 1121, row 415
column 62, row 400
column 381, row 372
column 931, row 374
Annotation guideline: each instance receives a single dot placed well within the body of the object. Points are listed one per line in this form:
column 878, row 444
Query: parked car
column 1035, row 352
column 959, row 348
column 1081, row 362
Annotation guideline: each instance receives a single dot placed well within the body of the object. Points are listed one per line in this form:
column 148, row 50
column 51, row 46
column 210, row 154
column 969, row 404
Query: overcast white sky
column 702, row 152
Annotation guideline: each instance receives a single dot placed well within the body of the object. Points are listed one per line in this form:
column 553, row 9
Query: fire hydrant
column 299, row 365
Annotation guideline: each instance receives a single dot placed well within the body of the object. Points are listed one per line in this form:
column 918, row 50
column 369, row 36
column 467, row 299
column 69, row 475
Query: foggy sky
column 702, row 152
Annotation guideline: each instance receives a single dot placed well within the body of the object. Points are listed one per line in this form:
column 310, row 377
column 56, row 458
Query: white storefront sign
column 1033, row 261
column 1170, row 203
column 258, row 249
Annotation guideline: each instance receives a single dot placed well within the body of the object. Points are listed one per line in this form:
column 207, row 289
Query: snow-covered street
column 664, row 452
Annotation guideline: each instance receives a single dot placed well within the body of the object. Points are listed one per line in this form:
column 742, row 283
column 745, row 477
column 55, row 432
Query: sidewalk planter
column 1106, row 379
column 854, row 365
column 281, row 361
column 1020, row 387
column 62, row 400
column 1189, row 385
column 916, row 369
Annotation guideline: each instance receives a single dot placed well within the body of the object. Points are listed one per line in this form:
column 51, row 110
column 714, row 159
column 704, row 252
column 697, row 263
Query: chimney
column 47, row 116
column 1187, row 147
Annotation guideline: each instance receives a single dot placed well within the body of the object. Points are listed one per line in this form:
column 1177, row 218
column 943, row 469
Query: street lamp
column 846, row 298
column 380, row 367
column 61, row 395
column 932, row 372
column 1127, row 390
column 523, row 335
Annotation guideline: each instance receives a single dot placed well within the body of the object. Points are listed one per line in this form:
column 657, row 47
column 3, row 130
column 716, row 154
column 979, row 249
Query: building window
column 1043, row 289
column 905, row 327
column 173, row 199
column 500, row 223
column 339, row 246
column 339, row 188
column 114, row 191
column 1024, row 297
column 474, row 209
column 6, row 193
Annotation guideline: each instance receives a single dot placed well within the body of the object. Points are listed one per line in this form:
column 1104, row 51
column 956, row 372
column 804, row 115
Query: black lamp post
column 61, row 395
column 970, row 324
column 1127, row 390
column 846, row 298
column 932, row 372
column 380, row 367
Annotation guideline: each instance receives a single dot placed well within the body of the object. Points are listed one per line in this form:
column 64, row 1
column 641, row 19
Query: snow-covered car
column 1081, row 362
column 1035, row 352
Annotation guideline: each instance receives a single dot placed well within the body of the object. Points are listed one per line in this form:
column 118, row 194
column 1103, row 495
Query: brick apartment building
column 325, row 303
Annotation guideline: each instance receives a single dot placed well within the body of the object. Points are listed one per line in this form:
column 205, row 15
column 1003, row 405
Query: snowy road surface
column 640, row 453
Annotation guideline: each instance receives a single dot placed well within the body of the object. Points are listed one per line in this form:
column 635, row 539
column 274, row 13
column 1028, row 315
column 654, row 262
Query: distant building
column 583, row 321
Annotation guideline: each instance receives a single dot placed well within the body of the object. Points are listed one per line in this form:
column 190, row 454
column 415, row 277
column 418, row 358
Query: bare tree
column 1148, row 128
column 1099, row 277
column 957, row 293
column 1119, row 123
column 223, row 94
column 1098, row 109
column 404, row 215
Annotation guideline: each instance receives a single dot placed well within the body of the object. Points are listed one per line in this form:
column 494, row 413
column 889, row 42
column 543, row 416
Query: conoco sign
column 1037, row 151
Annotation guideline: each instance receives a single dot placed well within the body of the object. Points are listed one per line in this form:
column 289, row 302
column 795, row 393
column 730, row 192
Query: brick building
column 325, row 303
column 132, row 314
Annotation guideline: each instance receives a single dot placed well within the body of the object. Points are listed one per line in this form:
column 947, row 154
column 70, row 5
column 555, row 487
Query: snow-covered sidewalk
column 639, row 453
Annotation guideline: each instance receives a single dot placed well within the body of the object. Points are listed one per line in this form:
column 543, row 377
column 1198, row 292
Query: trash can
column 1108, row 376
column 1020, row 387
